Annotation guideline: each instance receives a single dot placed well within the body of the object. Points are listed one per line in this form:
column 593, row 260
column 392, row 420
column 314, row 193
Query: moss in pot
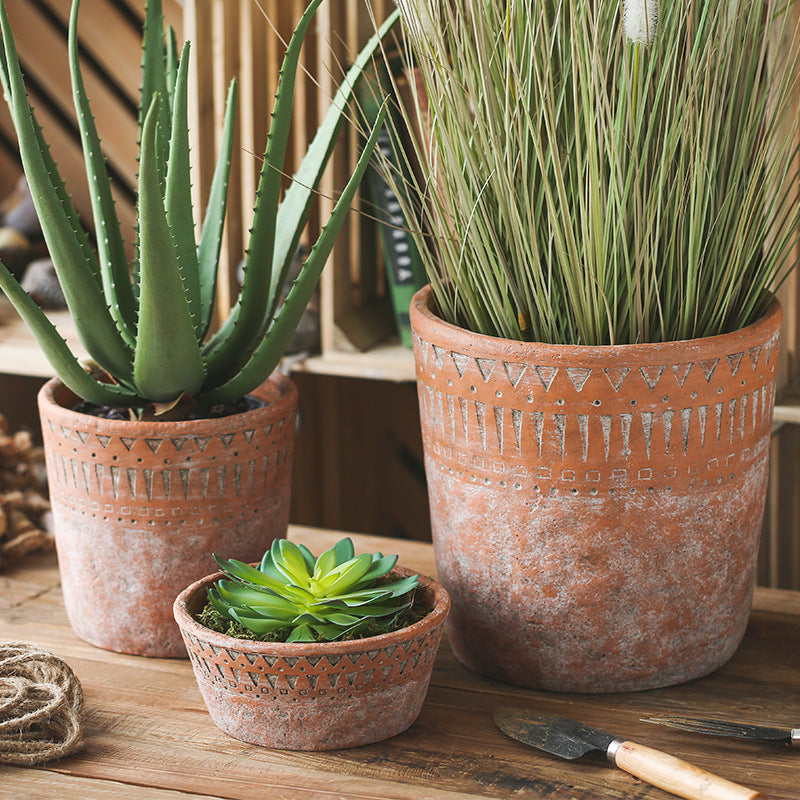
column 329, row 652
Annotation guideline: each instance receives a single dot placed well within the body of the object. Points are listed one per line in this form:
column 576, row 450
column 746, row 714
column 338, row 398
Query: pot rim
column 54, row 394
column 432, row 620
column 424, row 319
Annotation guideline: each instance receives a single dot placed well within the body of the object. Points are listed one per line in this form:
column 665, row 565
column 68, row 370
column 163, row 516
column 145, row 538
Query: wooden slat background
column 245, row 38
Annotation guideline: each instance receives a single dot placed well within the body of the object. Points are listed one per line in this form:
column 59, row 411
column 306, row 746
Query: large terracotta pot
column 317, row 695
column 139, row 508
column 596, row 510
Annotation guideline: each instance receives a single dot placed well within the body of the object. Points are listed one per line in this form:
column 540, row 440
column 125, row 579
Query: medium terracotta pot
column 139, row 508
column 313, row 696
column 596, row 510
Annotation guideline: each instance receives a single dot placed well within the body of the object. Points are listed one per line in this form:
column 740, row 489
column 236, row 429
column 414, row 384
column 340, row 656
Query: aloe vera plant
column 312, row 599
column 146, row 324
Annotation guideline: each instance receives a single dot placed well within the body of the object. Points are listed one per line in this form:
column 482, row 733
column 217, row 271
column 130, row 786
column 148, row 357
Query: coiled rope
column 40, row 706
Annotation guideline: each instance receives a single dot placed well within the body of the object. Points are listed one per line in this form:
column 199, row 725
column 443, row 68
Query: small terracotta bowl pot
column 317, row 695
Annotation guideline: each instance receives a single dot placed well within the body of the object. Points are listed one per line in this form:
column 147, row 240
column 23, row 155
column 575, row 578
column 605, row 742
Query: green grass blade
column 295, row 207
column 247, row 322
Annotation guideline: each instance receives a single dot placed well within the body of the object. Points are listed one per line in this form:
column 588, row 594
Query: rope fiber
column 40, row 706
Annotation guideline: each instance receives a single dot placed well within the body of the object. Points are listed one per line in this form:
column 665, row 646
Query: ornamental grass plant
column 604, row 173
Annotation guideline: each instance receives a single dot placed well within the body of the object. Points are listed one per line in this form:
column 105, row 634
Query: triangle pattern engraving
column 735, row 361
column 485, row 365
column 83, row 435
column 423, row 348
column 438, row 355
column 248, row 435
column 227, row 438
column 578, row 376
column 652, row 375
column 153, row 444
column 616, row 375
column 547, row 376
column 104, row 440
column 681, row 372
column 127, row 441
column 461, row 362
column 178, row 442
column 515, row 372
column 755, row 354
column 202, row 442
column 708, row 367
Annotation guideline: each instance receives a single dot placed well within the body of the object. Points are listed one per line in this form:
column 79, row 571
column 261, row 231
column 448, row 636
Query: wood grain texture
column 148, row 734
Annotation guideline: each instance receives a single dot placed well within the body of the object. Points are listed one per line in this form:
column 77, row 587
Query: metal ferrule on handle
column 795, row 737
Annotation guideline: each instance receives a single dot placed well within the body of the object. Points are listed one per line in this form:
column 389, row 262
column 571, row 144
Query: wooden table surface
column 148, row 734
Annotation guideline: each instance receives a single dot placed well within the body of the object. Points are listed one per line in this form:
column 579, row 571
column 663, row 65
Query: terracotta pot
column 313, row 696
column 139, row 508
column 596, row 510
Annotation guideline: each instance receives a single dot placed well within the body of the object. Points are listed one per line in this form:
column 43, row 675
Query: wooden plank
column 43, row 52
column 51, row 784
column 197, row 23
column 68, row 155
column 100, row 24
column 148, row 732
column 19, row 352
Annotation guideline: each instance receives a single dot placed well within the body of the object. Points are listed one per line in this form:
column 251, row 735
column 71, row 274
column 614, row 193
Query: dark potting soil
column 186, row 412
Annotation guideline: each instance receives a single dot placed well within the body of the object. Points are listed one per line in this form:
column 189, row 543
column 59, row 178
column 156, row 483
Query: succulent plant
column 336, row 595
column 146, row 324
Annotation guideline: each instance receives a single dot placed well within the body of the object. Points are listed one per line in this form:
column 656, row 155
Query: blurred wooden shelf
column 20, row 353
column 385, row 362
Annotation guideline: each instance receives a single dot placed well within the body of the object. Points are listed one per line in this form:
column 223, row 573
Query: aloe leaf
column 167, row 359
column 110, row 245
column 295, row 207
column 154, row 73
column 171, row 63
column 179, row 190
column 274, row 343
column 57, row 352
column 211, row 236
column 66, row 240
column 294, row 210
column 250, row 313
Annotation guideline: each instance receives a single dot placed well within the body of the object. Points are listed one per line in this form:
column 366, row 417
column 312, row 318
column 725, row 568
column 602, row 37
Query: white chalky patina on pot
column 596, row 511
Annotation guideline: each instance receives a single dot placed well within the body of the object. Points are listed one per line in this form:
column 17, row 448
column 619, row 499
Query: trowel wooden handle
column 676, row 776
